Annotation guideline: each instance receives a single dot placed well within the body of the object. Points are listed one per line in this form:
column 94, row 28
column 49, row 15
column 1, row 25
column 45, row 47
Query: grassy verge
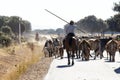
column 16, row 59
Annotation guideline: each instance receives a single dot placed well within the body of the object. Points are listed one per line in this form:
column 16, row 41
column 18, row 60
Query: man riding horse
column 69, row 43
column 69, row 30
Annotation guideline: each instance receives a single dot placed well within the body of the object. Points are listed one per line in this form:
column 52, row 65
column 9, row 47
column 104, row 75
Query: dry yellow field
column 15, row 59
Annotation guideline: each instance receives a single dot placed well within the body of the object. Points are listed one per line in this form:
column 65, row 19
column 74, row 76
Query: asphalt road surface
column 99, row 69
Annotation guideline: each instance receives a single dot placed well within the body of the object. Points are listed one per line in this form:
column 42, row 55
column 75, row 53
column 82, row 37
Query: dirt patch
column 37, row 71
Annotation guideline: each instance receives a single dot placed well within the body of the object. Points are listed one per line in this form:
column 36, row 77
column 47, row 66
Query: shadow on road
column 117, row 70
column 107, row 60
column 63, row 66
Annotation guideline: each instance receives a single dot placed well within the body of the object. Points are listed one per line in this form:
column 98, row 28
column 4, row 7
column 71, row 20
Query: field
column 15, row 59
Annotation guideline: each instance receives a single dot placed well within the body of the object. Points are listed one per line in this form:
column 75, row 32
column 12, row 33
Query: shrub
column 5, row 41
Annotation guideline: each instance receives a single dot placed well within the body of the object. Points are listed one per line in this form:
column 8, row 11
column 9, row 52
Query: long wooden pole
column 56, row 16
column 62, row 19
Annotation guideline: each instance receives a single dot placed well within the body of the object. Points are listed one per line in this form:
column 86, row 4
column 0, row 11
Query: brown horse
column 70, row 46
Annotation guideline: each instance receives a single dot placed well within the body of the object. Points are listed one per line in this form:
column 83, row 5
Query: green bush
column 5, row 41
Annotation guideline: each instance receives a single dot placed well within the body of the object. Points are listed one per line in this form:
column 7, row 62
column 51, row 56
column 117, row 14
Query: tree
column 3, row 20
column 116, row 7
column 26, row 25
column 16, row 21
column 14, row 24
column 92, row 24
column 7, row 30
column 59, row 30
column 114, row 22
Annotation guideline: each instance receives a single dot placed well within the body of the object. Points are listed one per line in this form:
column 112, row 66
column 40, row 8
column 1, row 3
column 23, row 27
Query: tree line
column 92, row 24
column 50, row 31
column 9, row 29
column 13, row 23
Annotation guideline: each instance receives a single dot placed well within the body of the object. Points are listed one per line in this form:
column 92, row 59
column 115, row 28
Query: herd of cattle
column 54, row 47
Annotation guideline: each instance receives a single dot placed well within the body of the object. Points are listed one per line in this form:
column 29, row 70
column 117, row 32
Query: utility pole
column 19, row 31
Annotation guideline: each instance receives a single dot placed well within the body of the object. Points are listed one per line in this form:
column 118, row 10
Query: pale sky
column 33, row 11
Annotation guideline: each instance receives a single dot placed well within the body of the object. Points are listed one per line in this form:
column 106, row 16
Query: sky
column 34, row 11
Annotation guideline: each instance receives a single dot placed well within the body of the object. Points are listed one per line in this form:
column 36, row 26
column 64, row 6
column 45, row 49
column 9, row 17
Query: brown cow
column 49, row 47
column 85, row 47
column 111, row 47
column 58, row 49
column 96, row 47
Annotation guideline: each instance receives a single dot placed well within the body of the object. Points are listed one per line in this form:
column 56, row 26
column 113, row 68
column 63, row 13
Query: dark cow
column 103, row 42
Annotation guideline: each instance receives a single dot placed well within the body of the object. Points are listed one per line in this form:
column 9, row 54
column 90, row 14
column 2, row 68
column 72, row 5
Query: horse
column 70, row 47
column 111, row 47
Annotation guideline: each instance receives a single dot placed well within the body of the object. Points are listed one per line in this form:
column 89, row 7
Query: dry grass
column 15, row 60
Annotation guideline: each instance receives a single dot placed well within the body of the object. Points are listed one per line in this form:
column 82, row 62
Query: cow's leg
column 83, row 56
column 96, row 54
column 113, row 57
column 110, row 56
column 49, row 52
column 107, row 55
column 61, row 52
column 89, row 54
column 79, row 54
column 101, row 54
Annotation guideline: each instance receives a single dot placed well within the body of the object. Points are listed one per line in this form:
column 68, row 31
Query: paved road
column 99, row 69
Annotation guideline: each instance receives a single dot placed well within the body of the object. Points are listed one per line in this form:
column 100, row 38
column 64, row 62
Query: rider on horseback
column 69, row 29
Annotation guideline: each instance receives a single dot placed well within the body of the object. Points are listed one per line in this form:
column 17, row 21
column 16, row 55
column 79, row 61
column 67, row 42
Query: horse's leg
column 61, row 53
column 72, row 57
column 68, row 55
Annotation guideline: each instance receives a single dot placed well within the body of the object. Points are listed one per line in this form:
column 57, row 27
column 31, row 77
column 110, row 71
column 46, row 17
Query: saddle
column 70, row 37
